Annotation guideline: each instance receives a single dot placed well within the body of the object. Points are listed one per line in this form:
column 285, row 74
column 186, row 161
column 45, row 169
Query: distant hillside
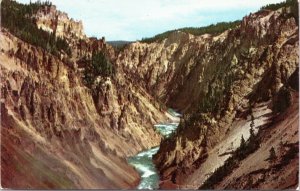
column 119, row 43
column 220, row 27
column 213, row 29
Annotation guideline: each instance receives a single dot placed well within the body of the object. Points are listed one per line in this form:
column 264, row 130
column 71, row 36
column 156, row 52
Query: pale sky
column 135, row 19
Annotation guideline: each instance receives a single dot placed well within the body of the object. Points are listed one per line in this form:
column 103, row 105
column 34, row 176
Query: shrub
column 282, row 100
column 272, row 155
column 288, row 3
column 245, row 149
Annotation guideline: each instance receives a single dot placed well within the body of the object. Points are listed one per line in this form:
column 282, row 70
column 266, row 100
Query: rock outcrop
column 49, row 19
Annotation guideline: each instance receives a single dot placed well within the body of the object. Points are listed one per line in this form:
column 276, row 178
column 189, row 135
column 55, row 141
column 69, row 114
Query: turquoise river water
column 143, row 163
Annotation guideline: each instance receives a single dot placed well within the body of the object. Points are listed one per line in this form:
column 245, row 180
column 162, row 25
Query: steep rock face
column 171, row 68
column 153, row 66
column 213, row 80
column 54, row 129
column 49, row 19
column 244, row 66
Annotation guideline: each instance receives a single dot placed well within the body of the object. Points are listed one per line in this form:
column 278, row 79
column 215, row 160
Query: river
column 143, row 163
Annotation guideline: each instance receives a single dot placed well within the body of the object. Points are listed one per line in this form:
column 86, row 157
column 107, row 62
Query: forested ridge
column 218, row 28
column 17, row 18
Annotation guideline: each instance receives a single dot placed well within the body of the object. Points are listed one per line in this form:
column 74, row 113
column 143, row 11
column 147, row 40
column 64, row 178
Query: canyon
column 70, row 135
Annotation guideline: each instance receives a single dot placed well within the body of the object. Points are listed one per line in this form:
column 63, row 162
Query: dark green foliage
column 252, row 116
column 272, row 155
column 283, row 100
column 218, row 28
column 213, row 29
column 288, row 3
column 119, row 45
column 99, row 65
column 17, row 19
column 275, row 6
column 218, row 90
column 243, row 143
column 252, row 132
column 291, row 153
column 252, row 123
column 293, row 81
column 245, row 149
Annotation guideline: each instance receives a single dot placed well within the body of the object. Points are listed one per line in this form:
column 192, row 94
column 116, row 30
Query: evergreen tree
column 242, row 149
column 243, row 143
column 252, row 134
column 272, row 156
column 17, row 18
column 213, row 29
column 252, row 121
column 99, row 65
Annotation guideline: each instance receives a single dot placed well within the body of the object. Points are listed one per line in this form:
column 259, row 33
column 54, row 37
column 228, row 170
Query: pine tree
column 252, row 134
column 243, row 143
column 252, row 121
column 272, row 156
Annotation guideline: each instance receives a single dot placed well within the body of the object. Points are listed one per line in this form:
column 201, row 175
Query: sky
column 135, row 19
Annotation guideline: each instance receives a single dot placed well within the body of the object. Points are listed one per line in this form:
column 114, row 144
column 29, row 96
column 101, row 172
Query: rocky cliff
column 56, row 129
column 49, row 19
column 214, row 80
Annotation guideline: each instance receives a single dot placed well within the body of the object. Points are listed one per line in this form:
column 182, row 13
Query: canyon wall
column 214, row 80
column 54, row 132
column 68, row 136
column 49, row 19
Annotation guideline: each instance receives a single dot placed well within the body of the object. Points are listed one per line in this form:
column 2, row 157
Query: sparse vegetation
column 97, row 66
column 218, row 90
column 119, row 45
column 293, row 151
column 243, row 143
column 272, row 155
column 275, row 6
column 283, row 100
column 252, row 118
column 245, row 149
column 17, row 18
column 288, row 3
column 218, row 28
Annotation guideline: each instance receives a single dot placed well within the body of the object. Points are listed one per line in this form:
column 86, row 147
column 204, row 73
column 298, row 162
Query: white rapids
column 143, row 163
